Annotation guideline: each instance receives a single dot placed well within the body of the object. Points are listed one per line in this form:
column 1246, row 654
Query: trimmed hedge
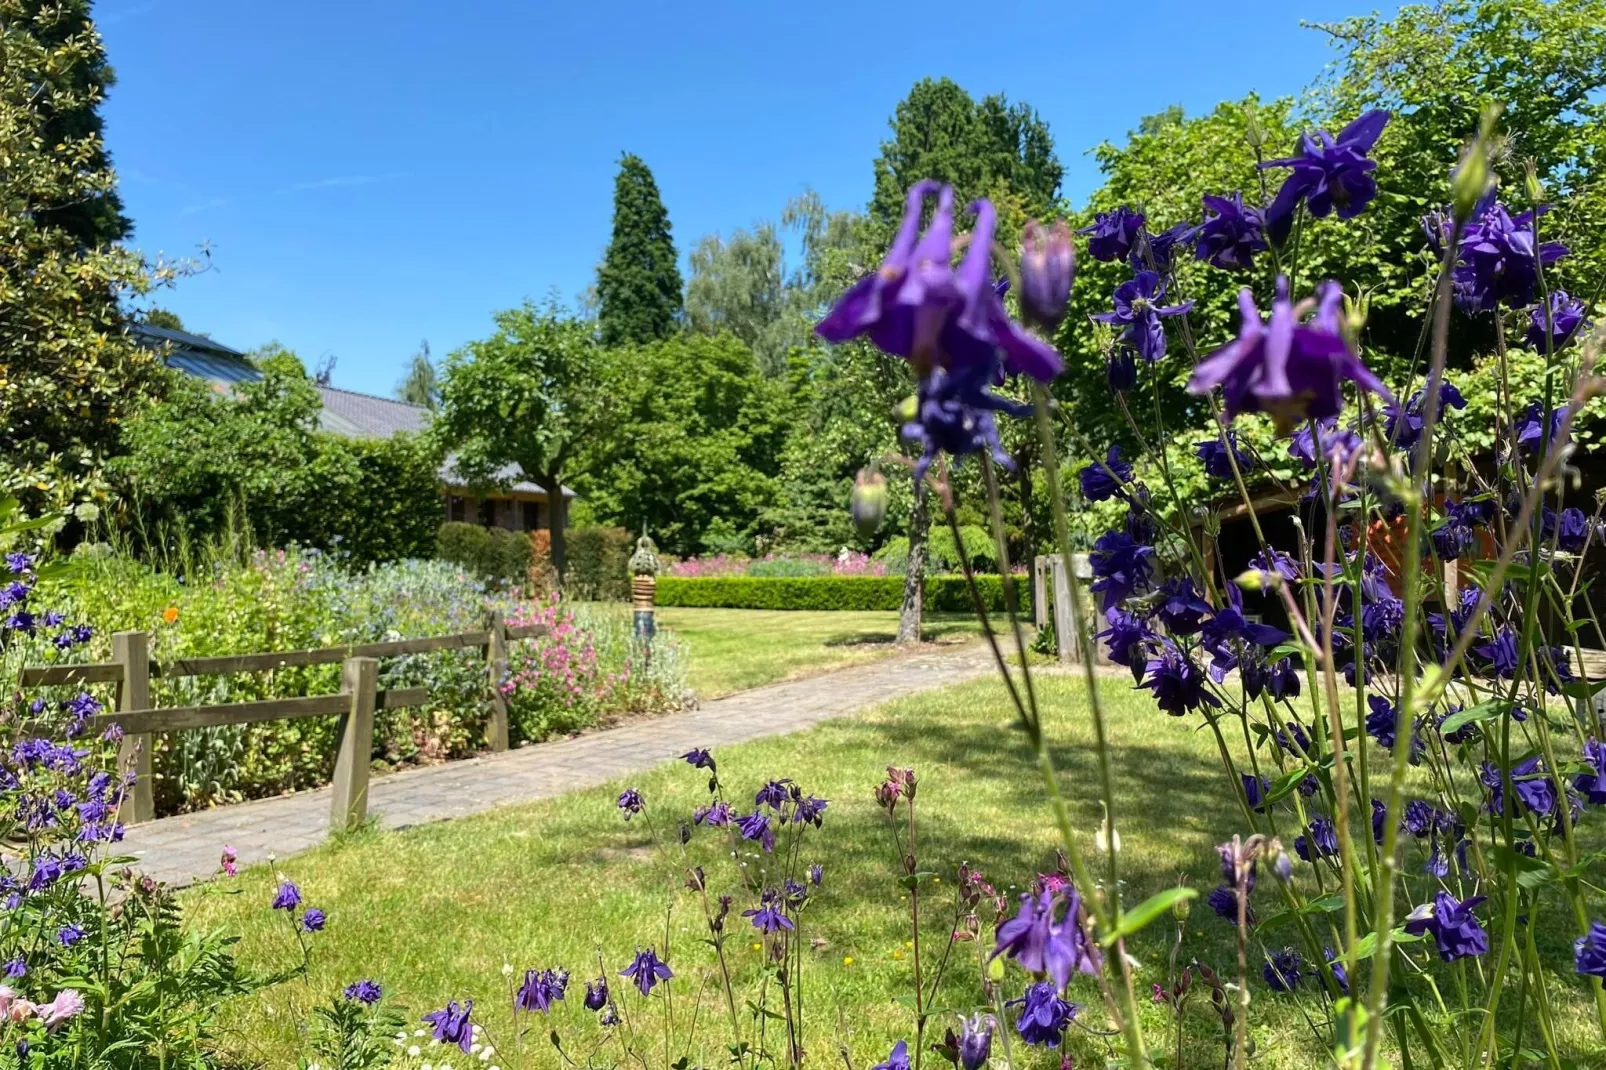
column 493, row 553
column 944, row 594
column 598, row 563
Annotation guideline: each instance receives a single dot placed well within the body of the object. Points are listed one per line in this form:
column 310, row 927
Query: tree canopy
column 638, row 285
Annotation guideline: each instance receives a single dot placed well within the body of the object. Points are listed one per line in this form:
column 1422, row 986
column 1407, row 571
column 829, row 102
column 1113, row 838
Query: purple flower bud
column 1048, row 265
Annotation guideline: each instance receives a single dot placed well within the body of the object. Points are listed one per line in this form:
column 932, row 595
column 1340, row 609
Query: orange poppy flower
column 170, row 614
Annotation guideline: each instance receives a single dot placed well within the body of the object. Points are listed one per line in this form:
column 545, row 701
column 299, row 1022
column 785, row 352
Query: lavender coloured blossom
column 631, row 803
column 1047, row 268
column 1139, row 309
column 1284, row 969
column 1113, row 233
column 313, row 920
column 756, row 827
column 1126, row 639
column 1219, row 454
column 1103, row 480
column 954, row 414
column 1231, row 234
column 898, row 1059
column 452, row 1026
column 646, row 970
column 1589, row 952
column 1044, row 945
column 596, row 994
column 1592, row 784
column 975, row 1040
column 1288, row 367
column 288, row 896
column 1499, row 259
column 1181, row 609
column 1177, row 683
column 541, row 989
column 1320, row 840
column 770, row 915
column 1044, row 1016
column 364, row 991
column 1329, row 174
column 1122, row 567
column 1451, row 922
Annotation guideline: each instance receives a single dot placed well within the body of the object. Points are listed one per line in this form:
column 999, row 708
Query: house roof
column 344, row 412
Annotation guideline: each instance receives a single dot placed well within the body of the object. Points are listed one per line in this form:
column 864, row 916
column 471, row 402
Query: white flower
column 485, row 1056
column 418, row 1032
column 507, row 969
column 413, row 1051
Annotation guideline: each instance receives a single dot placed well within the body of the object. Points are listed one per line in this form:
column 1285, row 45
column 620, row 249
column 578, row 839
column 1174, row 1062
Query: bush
column 598, row 565
column 944, row 594
column 942, row 552
column 491, row 553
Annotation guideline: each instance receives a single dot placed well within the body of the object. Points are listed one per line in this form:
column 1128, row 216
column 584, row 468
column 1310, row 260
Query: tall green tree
column 529, row 395
column 639, row 296
column 990, row 148
column 96, row 219
column 421, row 384
column 70, row 376
column 691, row 444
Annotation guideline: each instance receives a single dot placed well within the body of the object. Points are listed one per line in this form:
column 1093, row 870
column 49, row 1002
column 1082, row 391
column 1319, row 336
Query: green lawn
column 434, row 912
column 734, row 649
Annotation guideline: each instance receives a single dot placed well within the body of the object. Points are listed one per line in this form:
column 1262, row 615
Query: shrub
column 491, row 553
column 942, row 552
column 944, row 594
column 599, row 563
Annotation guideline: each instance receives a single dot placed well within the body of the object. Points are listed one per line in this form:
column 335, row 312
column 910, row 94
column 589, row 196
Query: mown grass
column 734, row 649
column 434, row 912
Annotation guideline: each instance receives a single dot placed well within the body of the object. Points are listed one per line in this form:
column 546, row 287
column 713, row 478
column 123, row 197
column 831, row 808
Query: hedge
column 597, row 563
column 944, row 594
column 493, row 553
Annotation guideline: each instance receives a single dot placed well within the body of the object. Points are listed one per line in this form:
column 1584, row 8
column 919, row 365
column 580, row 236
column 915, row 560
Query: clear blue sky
column 370, row 174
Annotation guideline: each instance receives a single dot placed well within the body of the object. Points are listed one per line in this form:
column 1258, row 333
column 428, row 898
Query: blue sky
column 368, row 175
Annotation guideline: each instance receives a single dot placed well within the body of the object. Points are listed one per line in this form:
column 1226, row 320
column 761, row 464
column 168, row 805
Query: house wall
column 515, row 512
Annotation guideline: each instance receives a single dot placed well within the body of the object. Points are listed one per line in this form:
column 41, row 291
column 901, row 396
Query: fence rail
column 132, row 669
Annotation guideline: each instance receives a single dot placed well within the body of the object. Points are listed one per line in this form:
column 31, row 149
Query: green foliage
column 527, row 396
column 944, row 594
column 692, row 434
column 421, row 385
column 199, row 463
column 638, row 283
column 979, row 549
column 349, row 1035
column 69, row 374
column 489, row 553
column 599, row 563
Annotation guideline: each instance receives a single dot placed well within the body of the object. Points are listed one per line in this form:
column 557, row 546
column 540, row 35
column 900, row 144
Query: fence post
column 132, row 651
column 495, row 669
column 1064, row 623
column 358, row 678
column 1039, row 591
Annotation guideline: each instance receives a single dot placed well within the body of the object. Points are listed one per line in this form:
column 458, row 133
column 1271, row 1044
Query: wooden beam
column 354, row 753
column 100, row 672
column 132, row 653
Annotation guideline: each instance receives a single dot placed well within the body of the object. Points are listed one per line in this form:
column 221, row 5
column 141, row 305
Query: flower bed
column 846, row 563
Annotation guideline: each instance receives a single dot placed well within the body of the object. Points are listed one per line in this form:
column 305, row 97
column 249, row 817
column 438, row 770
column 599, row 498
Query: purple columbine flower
column 1103, row 480
column 1498, row 260
column 288, row 897
column 1592, row 784
column 898, row 1059
column 954, row 414
column 596, row 994
column 773, row 794
column 1231, row 233
column 1126, row 638
column 1573, row 529
column 1044, row 1016
column 451, row 1024
column 313, row 920
column 1283, row 970
column 1278, row 679
column 1421, row 818
column 541, row 989
column 699, row 758
column 715, row 815
column 769, row 916
column 1403, row 426
column 1139, row 309
column 646, row 970
column 1181, row 609
column 1047, row 268
column 1320, row 840
column 1452, row 540
column 816, row 874
column 756, row 827
column 1327, row 442
column 1454, row 927
column 364, row 991
column 1177, row 683
column 1219, row 453
column 19, row 563
column 1224, row 901
column 1113, row 233
column 1330, row 173
column 1500, row 653
column 1567, row 319
column 1589, row 952
column 809, row 810
column 1121, row 567
column 1531, row 784
column 975, row 1040
column 1289, row 369
column 1255, row 788
column 68, row 935
column 631, row 803
column 1336, row 964
column 1228, row 624
column 1043, row 945
column 918, row 307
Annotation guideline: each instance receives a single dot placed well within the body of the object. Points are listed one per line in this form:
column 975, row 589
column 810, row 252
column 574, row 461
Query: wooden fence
column 131, row 670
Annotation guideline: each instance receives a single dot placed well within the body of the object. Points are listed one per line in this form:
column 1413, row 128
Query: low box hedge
column 944, row 594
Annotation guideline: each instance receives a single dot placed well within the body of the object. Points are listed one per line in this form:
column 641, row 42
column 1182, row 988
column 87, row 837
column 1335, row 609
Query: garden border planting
column 944, row 594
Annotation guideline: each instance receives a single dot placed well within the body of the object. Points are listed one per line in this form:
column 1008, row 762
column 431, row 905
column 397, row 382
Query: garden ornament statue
column 644, row 585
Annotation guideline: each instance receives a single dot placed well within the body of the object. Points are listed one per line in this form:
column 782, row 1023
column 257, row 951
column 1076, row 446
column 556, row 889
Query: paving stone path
column 184, row 849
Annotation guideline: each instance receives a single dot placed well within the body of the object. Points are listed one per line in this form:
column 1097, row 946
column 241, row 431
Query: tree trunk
column 557, row 520
column 914, row 579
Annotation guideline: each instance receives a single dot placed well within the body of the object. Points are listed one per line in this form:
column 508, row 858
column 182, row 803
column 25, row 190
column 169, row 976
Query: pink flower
column 230, row 861
column 67, row 1004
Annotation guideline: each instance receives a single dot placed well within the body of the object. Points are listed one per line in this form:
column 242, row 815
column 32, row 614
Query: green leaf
column 1284, row 785
column 1366, row 946
column 1131, row 921
column 1483, row 711
column 1531, row 872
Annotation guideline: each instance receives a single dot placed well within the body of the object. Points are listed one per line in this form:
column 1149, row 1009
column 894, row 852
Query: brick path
column 185, row 848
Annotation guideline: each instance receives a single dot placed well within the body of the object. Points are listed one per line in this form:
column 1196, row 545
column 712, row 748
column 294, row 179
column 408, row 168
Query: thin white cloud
column 334, row 182
column 205, row 206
